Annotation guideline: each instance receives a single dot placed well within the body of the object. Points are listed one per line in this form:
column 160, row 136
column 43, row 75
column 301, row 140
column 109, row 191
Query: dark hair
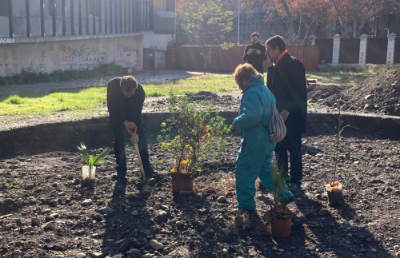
column 243, row 72
column 255, row 34
column 128, row 83
column 276, row 42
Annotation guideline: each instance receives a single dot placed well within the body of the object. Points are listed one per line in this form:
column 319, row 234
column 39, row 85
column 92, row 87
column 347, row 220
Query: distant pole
column 238, row 21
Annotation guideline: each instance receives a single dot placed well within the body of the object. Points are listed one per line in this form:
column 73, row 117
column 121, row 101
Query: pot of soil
column 182, row 182
column 88, row 176
column 281, row 223
column 335, row 194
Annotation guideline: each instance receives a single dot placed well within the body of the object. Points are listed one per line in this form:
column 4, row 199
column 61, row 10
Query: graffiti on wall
column 6, row 40
column 79, row 56
column 71, row 56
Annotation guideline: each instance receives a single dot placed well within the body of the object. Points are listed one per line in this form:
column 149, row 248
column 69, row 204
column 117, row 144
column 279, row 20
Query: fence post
column 336, row 49
column 312, row 39
column 390, row 49
column 363, row 49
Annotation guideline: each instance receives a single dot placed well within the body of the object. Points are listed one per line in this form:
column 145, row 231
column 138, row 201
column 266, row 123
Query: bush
column 199, row 131
column 14, row 99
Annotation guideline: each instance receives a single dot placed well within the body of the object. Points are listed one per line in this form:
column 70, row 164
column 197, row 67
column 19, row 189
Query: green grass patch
column 91, row 99
column 210, row 83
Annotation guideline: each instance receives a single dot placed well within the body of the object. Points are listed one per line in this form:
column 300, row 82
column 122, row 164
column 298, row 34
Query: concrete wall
column 79, row 54
column 83, row 54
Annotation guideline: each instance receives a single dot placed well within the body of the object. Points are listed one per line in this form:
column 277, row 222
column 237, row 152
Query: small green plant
column 14, row 185
column 199, row 131
column 14, row 100
column 90, row 160
column 278, row 210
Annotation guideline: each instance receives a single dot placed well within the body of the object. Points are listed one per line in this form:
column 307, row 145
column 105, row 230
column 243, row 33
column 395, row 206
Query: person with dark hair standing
column 287, row 81
column 254, row 54
column 125, row 98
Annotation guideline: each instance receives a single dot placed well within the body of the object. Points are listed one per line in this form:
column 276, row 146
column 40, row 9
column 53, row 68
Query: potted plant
column 279, row 214
column 199, row 134
column 89, row 171
column 334, row 188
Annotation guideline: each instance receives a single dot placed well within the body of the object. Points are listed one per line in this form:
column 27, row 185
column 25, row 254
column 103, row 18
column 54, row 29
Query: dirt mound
column 325, row 94
column 379, row 94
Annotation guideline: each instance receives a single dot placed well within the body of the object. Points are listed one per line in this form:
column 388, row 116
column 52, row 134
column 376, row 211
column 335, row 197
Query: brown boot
column 241, row 218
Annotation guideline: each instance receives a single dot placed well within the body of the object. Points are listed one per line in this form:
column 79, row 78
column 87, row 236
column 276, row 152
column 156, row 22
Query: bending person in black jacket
column 287, row 81
column 254, row 54
column 125, row 98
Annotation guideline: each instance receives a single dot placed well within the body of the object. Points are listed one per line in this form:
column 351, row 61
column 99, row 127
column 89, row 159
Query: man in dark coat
column 287, row 81
column 254, row 54
column 125, row 98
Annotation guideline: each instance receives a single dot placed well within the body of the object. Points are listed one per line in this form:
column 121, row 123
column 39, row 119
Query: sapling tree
column 279, row 179
column 339, row 129
column 199, row 130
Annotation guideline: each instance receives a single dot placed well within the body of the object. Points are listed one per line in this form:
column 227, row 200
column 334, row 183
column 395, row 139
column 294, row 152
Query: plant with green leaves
column 278, row 210
column 90, row 160
column 200, row 130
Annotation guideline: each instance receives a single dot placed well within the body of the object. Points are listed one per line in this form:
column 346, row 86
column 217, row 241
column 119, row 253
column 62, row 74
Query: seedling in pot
column 334, row 188
column 279, row 214
column 88, row 172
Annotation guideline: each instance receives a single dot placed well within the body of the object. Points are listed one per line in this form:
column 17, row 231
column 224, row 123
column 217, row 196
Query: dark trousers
column 120, row 135
column 291, row 144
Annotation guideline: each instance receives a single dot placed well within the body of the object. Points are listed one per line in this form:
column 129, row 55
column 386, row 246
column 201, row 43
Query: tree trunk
column 338, row 15
column 290, row 20
column 356, row 4
column 308, row 28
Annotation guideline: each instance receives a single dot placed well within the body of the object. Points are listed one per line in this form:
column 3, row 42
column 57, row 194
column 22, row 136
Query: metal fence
column 219, row 60
column 397, row 51
column 377, row 50
column 326, row 50
column 349, row 51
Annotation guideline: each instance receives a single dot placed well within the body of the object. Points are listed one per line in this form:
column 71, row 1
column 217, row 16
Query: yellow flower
column 184, row 162
column 164, row 124
column 173, row 170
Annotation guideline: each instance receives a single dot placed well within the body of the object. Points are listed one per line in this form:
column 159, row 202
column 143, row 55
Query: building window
column 3, row 7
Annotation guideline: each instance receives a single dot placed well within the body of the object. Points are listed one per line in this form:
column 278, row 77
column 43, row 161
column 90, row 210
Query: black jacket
column 256, row 60
column 287, row 81
column 122, row 108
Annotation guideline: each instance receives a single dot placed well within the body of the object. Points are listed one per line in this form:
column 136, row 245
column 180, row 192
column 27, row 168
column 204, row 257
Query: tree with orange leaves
column 354, row 13
column 360, row 12
column 308, row 12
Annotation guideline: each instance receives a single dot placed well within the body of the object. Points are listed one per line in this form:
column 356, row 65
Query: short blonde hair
column 243, row 72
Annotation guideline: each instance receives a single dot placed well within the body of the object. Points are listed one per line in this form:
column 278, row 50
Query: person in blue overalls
column 256, row 150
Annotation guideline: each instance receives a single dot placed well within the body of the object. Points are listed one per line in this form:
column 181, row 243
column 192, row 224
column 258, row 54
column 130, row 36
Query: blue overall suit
column 256, row 151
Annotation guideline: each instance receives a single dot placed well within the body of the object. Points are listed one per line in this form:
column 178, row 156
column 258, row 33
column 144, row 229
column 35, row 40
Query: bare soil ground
column 379, row 95
column 44, row 212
